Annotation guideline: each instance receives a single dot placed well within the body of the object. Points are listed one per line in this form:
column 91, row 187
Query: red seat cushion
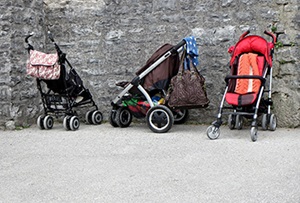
column 240, row 100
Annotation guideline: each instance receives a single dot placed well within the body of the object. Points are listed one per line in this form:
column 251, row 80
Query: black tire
column 112, row 118
column 264, row 121
column 48, row 122
column 40, row 122
column 88, row 117
column 160, row 119
column 273, row 122
column 123, row 117
column 180, row 116
column 66, row 122
column 97, row 117
column 239, row 122
column 74, row 123
column 231, row 121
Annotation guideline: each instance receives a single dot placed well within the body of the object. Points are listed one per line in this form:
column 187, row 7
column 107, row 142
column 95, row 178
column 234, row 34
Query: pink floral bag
column 43, row 66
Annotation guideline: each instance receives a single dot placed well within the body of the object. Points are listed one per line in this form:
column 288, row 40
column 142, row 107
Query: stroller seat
column 244, row 91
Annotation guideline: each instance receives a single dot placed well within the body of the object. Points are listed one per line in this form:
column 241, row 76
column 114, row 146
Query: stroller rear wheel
column 273, row 122
column 213, row 132
column 160, row 119
column 66, row 122
column 97, row 117
column 88, row 117
column 123, row 117
column 74, row 123
column 180, row 115
column 48, row 122
column 264, row 121
column 231, row 121
column 40, row 122
column 238, row 122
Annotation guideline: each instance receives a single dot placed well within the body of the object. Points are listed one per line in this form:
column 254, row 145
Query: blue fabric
column 192, row 52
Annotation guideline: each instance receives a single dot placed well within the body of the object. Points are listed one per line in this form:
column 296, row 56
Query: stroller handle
column 28, row 36
column 274, row 38
column 180, row 44
column 50, row 36
column 244, row 34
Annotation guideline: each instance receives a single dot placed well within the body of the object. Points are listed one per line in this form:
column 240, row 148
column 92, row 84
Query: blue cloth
column 192, row 51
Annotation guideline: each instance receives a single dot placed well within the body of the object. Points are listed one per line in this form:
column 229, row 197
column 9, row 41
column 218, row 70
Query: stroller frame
column 121, row 117
column 63, row 102
column 235, row 119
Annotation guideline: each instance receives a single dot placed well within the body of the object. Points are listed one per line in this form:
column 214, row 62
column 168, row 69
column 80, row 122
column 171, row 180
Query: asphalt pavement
column 105, row 164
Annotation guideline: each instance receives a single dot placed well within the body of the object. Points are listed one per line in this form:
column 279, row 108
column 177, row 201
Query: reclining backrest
column 248, row 65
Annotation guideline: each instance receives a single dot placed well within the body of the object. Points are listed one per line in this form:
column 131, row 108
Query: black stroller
column 251, row 66
column 145, row 95
column 61, row 90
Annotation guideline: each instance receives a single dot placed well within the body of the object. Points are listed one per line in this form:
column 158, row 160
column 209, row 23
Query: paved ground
column 106, row 164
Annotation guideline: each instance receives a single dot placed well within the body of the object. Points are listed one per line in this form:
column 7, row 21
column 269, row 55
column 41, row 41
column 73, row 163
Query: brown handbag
column 187, row 88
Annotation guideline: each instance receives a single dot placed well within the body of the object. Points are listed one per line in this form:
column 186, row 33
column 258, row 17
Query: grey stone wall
column 107, row 41
column 18, row 93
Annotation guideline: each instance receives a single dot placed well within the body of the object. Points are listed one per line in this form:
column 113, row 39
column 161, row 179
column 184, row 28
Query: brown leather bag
column 187, row 88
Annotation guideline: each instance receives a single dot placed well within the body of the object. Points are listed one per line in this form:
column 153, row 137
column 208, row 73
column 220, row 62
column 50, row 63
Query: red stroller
column 251, row 65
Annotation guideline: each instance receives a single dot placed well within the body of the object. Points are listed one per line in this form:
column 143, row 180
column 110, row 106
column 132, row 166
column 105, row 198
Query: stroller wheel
column 231, row 121
column 180, row 116
column 273, row 122
column 123, row 117
column 97, row 117
column 264, row 121
column 213, row 132
column 253, row 133
column 66, row 123
column 112, row 118
column 48, row 122
column 88, row 117
column 40, row 122
column 160, row 119
column 238, row 122
column 74, row 123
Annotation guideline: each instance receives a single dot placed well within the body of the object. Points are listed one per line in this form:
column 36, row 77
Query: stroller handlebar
column 28, row 36
column 180, row 44
column 50, row 36
column 244, row 34
column 274, row 37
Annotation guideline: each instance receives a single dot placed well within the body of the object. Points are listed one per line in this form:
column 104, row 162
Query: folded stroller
column 145, row 95
column 61, row 90
column 250, row 65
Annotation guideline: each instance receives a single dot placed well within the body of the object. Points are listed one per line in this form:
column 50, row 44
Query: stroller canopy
column 159, row 78
column 253, row 44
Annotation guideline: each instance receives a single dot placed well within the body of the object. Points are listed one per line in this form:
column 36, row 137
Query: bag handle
column 181, row 64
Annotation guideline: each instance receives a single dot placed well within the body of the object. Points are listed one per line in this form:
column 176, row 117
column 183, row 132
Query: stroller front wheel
column 213, row 132
column 253, row 133
column 112, row 118
column 123, row 117
column 48, row 122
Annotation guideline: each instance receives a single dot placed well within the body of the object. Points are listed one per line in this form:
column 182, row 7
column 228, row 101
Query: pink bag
column 43, row 66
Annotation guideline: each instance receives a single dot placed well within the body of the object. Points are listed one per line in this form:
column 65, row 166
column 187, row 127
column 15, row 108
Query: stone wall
column 107, row 41
column 18, row 93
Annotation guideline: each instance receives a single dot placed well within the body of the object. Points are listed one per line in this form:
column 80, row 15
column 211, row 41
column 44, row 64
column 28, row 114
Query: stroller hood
column 160, row 77
column 254, row 44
